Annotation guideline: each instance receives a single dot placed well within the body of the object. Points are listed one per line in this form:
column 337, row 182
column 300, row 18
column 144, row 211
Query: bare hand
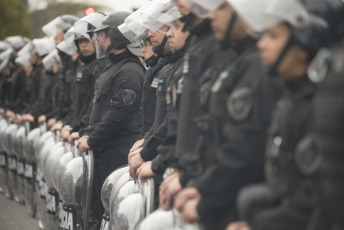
column 11, row 115
column 189, row 211
column 74, row 136
column 137, row 145
column 42, row 119
column 28, row 117
column 82, row 144
column 168, row 189
column 135, row 163
column 238, row 225
column 57, row 126
column 185, row 195
column 65, row 133
column 51, row 122
column 145, row 171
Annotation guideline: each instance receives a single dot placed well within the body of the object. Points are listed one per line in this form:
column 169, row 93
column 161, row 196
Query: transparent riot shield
column 63, row 161
column 133, row 203
column 111, row 183
column 75, row 184
column 31, row 145
column 12, row 162
column 47, row 141
column 158, row 220
column 48, row 160
column 125, row 186
column 18, row 149
column 3, row 157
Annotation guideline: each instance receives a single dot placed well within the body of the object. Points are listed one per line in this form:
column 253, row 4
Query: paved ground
column 14, row 216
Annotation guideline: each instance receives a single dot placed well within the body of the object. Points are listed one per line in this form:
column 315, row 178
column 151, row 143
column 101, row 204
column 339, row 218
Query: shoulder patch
column 308, row 157
column 128, row 96
column 239, row 103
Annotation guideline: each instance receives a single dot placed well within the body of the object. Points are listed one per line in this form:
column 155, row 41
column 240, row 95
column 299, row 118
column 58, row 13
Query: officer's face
column 220, row 19
column 33, row 59
column 272, row 44
column 147, row 49
column 86, row 47
column 156, row 37
column 176, row 36
column 103, row 39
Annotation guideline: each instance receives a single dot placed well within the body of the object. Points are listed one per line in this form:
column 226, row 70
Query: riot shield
column 18, row 149
column 131, row 204
column 109, row 184
column 12, row 162
column 3, row 158
column 31, row 144
column 75, row 185
column 47, row 141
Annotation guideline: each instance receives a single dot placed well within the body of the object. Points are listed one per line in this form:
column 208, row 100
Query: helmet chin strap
column 225, row 41
column 273, row 69
column 159, row 50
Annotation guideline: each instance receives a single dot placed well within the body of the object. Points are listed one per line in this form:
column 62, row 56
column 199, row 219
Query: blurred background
column 26, row 17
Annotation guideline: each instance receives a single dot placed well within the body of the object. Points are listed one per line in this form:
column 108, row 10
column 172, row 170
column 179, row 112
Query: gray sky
column 111, row 5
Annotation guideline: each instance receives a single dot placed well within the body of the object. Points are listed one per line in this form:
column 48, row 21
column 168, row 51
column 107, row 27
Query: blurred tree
column 41, row 17
column 14, row 18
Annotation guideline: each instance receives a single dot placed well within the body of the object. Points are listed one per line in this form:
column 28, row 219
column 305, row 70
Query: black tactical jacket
column 116, row 110
column 238, row 109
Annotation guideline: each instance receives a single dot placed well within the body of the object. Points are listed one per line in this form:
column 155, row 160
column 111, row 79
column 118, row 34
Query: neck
column 296, row 72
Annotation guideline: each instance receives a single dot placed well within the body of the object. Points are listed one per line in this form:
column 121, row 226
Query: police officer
column 154, row 101
column 13, row 83
column 115, row 121
column 200, row 58
column 237, row 112
column 287, row 200
column 327, row 68
column 57, row 29
column 81, row 76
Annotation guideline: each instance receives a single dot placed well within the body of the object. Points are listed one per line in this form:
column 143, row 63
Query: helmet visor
column 103, row 42
column 55, row 27
column 68, row 46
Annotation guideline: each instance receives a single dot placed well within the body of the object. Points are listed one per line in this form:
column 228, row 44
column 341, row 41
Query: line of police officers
column 237, row 113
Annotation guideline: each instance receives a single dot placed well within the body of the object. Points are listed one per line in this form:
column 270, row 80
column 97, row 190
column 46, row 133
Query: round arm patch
column 128, row 96
column 239, row 103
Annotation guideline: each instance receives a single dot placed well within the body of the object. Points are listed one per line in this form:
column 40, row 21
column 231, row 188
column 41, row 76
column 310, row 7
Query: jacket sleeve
column 152, row 142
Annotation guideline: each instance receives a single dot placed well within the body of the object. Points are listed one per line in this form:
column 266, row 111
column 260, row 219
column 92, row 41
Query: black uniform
column 17, row 87
column 45, row 102
column 149, row 94
column 93, row 71
column 158, row 131
column 35, row 85
column 238, row 108
column 329, row 131
column 115, row 119
column 64, row 97
column 289, row 148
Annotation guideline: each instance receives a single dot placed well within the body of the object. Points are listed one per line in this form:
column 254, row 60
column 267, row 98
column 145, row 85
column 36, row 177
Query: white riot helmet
column 59, row 24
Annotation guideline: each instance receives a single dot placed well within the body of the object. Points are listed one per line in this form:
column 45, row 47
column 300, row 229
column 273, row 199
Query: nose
column 150, row 34
column 170, row 32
